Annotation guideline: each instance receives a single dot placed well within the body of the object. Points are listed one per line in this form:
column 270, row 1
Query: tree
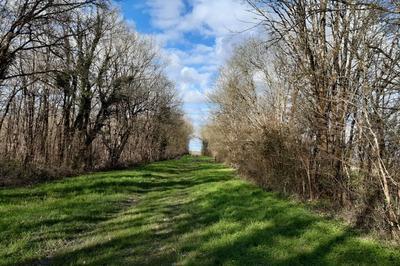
column 83, row 90
column 324, row 119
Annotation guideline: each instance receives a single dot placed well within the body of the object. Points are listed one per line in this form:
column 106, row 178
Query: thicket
column 313, row 109
column 81, row 90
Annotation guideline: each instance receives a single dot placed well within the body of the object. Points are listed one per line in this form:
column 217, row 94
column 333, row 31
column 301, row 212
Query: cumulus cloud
column 165, row 15
column 194, row 96
column 193, row 63
column 186, row 77
column 208, row 17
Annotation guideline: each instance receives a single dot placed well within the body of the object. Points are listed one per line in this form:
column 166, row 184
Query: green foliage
column 189, row 211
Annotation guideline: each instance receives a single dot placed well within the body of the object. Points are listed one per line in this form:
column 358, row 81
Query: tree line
column 313, row 108
column 81, row 90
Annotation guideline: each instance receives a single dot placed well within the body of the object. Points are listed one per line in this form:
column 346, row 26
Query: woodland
column 311, row 108
column 300, row 160
column 81, row 90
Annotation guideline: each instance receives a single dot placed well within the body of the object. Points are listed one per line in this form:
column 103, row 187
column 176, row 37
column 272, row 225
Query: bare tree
column 82, row 90
column 329, row 112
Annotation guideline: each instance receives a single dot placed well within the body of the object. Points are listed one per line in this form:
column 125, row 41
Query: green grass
column 181, row 212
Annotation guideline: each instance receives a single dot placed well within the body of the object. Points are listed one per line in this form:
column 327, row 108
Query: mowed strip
column 189, row 211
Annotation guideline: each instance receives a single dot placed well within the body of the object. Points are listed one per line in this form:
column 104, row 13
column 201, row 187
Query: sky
column 195, row 38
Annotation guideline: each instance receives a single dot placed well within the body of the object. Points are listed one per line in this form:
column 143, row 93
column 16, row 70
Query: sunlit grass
column 184, row 212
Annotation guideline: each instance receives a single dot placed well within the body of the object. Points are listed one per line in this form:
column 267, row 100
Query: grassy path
column 182, row 212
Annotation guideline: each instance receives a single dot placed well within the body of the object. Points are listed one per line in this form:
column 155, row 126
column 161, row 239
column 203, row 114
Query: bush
column 14, row 173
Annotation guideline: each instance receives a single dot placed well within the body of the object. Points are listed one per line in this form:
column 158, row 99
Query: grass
column 180, row 212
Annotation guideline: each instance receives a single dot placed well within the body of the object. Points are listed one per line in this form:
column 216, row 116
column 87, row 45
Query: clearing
column 190, row 211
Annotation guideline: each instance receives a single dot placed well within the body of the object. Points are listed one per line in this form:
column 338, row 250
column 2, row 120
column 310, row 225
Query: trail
column 190, row 211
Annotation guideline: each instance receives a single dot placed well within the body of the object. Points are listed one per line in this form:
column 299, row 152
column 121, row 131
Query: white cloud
column 193, row 67
column 190, row 75
column 165, row 15
column 197, row 114
column 194, row 96
column 208, row 17
column 191, row 82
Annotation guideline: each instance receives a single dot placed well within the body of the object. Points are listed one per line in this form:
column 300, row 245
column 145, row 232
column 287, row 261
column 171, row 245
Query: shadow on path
column 188, row 212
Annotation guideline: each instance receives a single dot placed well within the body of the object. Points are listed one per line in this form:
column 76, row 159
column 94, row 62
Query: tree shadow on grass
column 50, row 216
column 205, row 216
column 151, row 178
column 231, row 225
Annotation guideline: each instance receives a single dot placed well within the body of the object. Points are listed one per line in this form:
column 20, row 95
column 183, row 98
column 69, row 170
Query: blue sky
column 195, row 38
